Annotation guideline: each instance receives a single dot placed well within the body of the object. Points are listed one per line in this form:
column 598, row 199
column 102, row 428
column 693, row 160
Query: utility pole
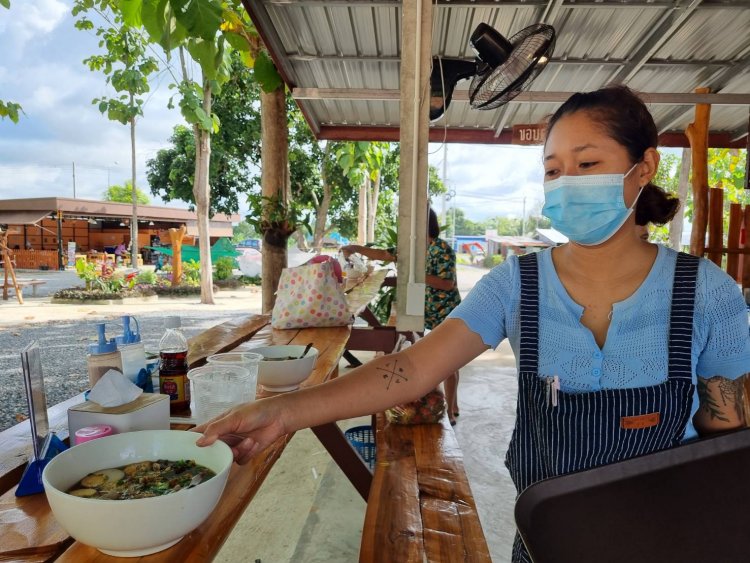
column 74, row 180
column 523, row 217
column 445, row 182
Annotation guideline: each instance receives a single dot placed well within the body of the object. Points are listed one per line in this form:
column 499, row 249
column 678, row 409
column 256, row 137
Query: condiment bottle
column 173, row 366
column 103, row 356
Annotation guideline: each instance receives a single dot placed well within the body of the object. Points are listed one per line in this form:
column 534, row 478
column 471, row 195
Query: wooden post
column 176, row 236
column 716, row 225
column 8, row 268
column 733, row 240
column 697, row 134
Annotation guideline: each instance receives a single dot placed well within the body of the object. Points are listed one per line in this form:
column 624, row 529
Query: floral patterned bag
column 310, row 296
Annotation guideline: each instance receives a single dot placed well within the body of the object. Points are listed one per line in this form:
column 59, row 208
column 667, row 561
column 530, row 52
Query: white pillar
column 412, row 210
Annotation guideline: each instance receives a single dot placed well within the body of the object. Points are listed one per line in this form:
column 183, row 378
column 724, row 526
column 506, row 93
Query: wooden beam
column 486, row 136
column 394, row 95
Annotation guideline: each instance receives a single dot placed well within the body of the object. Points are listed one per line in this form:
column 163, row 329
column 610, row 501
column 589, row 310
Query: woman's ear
column 648, row 166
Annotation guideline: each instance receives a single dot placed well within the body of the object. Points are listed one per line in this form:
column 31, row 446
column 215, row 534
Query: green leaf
column 204, row 53
column 5, row 3
column 237, row 41
column 131, row 11
column 200, row 18
column 10, row 110
column 266, row 74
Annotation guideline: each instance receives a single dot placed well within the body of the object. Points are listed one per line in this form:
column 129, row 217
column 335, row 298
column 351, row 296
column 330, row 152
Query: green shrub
column 191, row 272
column 250, row 280
column 178, row 291
column 492, row 260
column 146, row 277
column 224, row 267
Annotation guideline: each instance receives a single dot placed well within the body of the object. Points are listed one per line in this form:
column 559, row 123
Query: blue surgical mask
column 587, row 209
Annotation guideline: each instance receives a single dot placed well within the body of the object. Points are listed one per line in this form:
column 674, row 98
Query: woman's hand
column 247, row 429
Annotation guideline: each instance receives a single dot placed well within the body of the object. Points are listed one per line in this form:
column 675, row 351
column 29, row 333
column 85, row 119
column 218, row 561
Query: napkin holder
column 150, row 411
column 45, row 444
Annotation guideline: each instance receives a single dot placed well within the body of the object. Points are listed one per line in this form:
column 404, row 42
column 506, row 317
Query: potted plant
column 277, row 219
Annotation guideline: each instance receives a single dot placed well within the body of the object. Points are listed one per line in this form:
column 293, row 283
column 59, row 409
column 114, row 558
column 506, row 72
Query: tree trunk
column 322, row 206
column 362, row 212
column 274, row 179
column 675, row 227
column 202, row 195
column 134, row 219
column 372, row 207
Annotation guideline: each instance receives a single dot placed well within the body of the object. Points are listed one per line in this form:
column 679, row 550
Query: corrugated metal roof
column 654, row 46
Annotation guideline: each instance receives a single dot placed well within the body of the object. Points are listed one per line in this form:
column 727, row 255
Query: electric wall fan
column 501, row 70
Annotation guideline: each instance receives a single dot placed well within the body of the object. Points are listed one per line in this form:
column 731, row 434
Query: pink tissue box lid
column 93, row 432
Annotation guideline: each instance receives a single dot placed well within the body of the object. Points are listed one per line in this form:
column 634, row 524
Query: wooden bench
column 420, row 506
column 31, row 283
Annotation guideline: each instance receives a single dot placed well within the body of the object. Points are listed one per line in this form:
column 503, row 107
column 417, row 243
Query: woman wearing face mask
column 623, row 347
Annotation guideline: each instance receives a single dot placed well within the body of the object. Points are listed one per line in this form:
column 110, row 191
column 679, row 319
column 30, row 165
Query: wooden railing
column 33, row 259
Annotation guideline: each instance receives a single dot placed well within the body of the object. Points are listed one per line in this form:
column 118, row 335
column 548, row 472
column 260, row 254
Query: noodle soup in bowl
column 136, row 526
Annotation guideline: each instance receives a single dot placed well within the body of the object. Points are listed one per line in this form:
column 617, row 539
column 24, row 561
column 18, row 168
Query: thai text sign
column 528, row 134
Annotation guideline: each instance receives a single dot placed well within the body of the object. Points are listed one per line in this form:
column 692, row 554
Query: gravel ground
column 63, row 350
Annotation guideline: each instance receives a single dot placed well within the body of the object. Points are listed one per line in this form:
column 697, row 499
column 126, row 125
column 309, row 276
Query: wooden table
column 30, row 533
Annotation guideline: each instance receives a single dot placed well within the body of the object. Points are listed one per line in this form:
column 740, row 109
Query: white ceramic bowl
column 131, row 528
column 284, row 375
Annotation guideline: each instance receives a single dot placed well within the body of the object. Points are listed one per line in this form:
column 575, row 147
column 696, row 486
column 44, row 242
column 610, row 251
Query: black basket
column 362, row 439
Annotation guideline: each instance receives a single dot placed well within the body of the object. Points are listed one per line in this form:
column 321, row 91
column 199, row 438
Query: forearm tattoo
column 728, row 394
column 392, row 372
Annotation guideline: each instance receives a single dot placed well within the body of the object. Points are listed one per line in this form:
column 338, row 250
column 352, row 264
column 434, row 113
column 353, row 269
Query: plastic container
column 93, row 432
column 248, row 360
column 131, row 349
column 173, row 366
column 218, row 388
column 103, row 356
column 362, row 439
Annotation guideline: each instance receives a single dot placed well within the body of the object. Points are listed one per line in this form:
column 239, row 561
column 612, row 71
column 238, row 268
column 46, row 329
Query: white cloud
column 29, row 21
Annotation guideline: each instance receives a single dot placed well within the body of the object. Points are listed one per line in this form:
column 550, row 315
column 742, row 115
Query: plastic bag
column 428, row 409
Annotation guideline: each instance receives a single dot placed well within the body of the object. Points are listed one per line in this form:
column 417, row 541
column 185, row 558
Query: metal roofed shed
column 551, row 236
column 49, row 223
column 510, row 245
column 341, row 59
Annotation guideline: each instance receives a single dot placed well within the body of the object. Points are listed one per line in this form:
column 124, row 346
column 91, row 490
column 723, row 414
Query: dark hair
column 626, row 119
column 433, row 227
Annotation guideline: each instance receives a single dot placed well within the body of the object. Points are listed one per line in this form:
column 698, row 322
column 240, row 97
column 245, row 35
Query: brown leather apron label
column 640, row 421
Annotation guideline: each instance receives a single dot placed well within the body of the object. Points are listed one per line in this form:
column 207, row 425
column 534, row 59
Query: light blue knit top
column 635, row 352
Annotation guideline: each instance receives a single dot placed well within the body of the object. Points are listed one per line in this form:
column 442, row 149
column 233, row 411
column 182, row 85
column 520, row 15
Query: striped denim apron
column 558, row 432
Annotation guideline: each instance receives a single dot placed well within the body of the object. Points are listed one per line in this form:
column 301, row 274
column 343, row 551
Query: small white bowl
column 284, row 375
column 131, row 528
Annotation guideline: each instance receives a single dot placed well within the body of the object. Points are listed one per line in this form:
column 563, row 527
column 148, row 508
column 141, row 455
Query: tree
column 235, row 148
column 127, row 66
column 242, row 231
column 10, row 110
column 124, row 194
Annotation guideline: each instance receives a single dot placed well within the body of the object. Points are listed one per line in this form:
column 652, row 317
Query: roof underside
column 341, row 58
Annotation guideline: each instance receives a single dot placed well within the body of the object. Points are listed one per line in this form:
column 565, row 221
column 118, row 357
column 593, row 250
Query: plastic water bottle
column 173, row 366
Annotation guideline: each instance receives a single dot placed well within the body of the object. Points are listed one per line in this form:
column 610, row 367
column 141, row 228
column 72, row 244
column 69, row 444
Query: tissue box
column 150, row 411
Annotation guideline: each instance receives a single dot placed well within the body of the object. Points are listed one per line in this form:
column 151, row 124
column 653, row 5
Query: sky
column 41, row 68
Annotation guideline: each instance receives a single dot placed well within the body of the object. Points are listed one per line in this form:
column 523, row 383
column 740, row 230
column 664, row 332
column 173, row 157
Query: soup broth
column 141, row 480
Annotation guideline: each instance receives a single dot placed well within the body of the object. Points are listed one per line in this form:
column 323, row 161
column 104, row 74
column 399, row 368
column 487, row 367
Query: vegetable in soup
column 141, row 480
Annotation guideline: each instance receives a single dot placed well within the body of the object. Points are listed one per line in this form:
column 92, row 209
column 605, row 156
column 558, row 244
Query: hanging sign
column 528, row 134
